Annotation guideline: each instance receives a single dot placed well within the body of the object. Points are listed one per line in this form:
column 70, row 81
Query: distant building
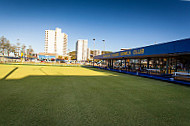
column 123, row 49
column 81, row 50
column 72, row 54
column 47, row 56
column 56, row 42
column 88, row 54
column 106, row 52
column 97, row 52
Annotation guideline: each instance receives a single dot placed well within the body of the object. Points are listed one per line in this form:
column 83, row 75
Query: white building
column 88, row 54
column 97, row 52
column 56, row 42
column 81, row 50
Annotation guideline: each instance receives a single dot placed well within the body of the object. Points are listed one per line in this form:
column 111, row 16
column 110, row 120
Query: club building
column 166, row 61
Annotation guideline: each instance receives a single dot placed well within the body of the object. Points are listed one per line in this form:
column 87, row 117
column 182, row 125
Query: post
column 188, row 66
column 170, row 63
column 125, row 63
column 121, row 63
column 108, row 63
column 148, row 60
column 93, row 61
column 176, row 64
column 112, row 64
column 167, row 64
column 161, row 65
column 140, row 64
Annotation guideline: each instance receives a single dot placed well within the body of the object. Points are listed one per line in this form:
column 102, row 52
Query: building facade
column 168, row 61
column 81, row 50
column 56, row 42
column 72, row 54
column 47, row 56
column 88, row 54
column 97, row 52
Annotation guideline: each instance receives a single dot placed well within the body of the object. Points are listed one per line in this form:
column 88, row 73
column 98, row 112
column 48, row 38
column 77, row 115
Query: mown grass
column 86, row 96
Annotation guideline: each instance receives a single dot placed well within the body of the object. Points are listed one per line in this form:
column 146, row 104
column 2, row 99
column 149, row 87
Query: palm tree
column 18, row 48
column 30, row 49
column 0, row 46
column 23, row 49
column 13, row 49
column 27, row 52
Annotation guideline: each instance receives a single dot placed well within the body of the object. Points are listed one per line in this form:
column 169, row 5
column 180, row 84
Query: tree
column 30, row 49
column 5, row 46
column 3, row 41
column 23, row 47
column 27, row 52
column 73, row 57
column 14, row 49
column 66, row 58
column 18, row 48
column 60, row 57
column 8, row 47
column 0, row 46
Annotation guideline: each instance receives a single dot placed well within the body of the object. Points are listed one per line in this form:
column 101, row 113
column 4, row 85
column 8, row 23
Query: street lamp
column 2, row 46
column 18, row 47
column 93, row 51
column 94, row 47
column 104, row 46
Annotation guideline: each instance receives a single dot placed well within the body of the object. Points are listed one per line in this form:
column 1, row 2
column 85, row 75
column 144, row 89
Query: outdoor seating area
column 171, row 62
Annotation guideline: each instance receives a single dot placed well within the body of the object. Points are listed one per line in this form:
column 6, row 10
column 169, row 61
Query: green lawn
column 79, row 96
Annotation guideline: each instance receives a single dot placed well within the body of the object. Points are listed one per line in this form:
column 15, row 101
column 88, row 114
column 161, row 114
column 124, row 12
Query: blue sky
column 122, row 23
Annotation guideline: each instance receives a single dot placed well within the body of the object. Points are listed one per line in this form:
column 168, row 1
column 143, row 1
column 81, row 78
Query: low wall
column 168, row 79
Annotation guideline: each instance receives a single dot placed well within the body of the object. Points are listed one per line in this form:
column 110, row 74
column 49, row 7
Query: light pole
column 94, row 51
column 68, row 51
column 18, row 47
column 94, row 47
column 104, row 46
column 3, row 54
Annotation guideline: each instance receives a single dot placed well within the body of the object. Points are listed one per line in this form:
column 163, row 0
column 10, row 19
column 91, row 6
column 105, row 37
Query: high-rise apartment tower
column 81, row 50
column 56, row 42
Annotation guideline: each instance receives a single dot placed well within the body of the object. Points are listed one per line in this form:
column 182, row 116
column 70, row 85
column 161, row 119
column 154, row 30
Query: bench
column 153, row 70
column 181, row 74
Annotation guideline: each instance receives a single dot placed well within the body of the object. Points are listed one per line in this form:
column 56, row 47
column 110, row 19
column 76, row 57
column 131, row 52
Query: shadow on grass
column 92, row 100
column 100, row 70
column 9, row 73
column 43, row 71
column 96, row 70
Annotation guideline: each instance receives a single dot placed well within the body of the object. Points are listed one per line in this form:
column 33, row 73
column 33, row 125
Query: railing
column 182, row 76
